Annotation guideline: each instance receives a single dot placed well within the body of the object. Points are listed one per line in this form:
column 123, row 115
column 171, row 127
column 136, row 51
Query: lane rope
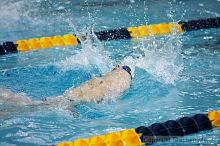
column 154, row 133
column 107, row 35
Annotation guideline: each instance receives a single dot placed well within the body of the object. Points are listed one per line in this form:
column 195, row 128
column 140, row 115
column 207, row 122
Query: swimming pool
column 175, row 75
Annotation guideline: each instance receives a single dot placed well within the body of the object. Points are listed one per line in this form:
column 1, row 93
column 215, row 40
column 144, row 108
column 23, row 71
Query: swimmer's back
column 96, row 89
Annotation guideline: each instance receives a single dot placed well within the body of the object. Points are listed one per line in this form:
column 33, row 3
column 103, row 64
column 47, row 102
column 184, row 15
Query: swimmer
column 112, row 84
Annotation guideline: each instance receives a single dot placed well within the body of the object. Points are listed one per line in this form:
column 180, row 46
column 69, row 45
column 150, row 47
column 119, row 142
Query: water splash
column 11, row 13
column 162, row 58
column 92, row 53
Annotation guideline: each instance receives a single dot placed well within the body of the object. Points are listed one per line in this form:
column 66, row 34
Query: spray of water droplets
column 162, row 58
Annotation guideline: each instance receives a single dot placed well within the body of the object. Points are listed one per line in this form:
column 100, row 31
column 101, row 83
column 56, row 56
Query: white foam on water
column 92, row 54
column 87, row 57
column 14, row 13
column 26, row 15
column 162, row 58
column 9, row 12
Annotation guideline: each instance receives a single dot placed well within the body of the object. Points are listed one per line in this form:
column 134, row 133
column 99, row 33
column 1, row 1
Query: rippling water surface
column 174, row 76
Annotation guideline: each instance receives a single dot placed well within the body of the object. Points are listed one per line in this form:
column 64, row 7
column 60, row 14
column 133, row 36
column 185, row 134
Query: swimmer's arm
column 78, row 92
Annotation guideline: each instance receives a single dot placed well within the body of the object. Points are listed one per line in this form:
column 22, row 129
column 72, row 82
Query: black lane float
column 107, row 35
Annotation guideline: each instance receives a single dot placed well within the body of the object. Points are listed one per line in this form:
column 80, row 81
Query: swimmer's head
column 125, row 68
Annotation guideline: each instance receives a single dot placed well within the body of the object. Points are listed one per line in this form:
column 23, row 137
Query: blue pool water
column 174, row 76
